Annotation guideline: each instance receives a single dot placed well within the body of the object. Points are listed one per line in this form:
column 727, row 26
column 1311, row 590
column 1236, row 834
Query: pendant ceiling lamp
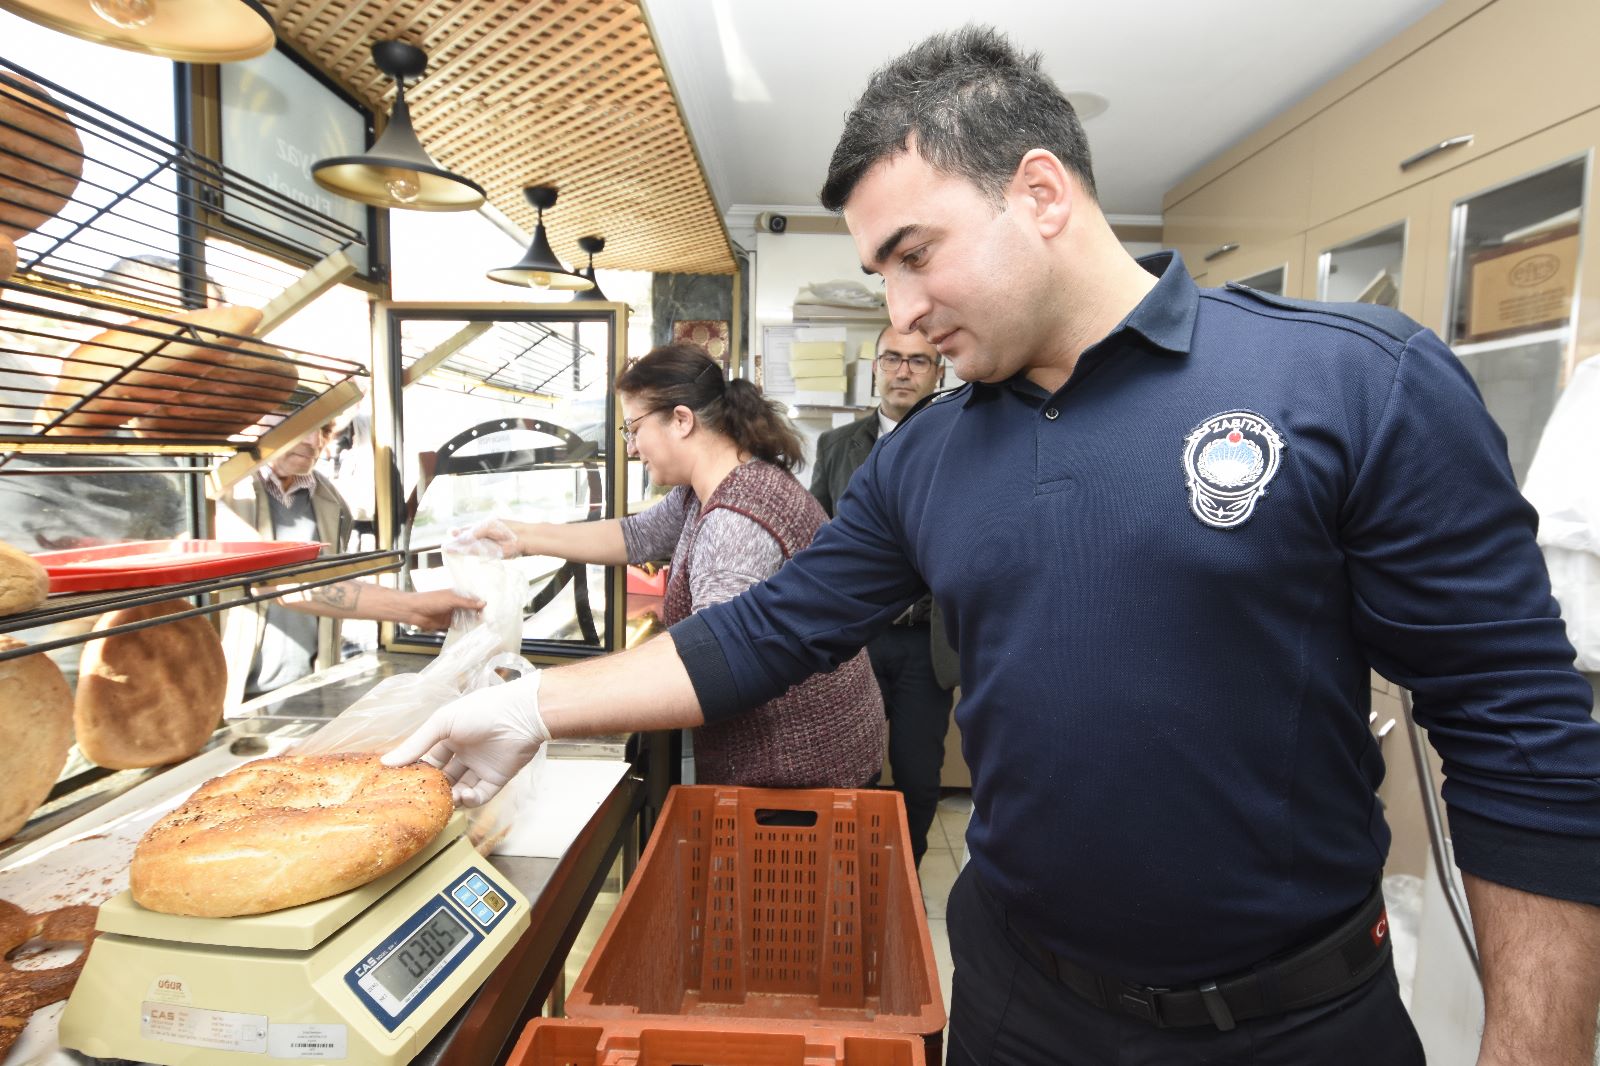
column 397, row 171
column 592, row 245
column 189, row 31
column 540, row 268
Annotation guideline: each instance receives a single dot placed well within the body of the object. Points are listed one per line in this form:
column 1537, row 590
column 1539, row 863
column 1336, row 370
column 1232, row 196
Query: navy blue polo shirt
column 1168, row 581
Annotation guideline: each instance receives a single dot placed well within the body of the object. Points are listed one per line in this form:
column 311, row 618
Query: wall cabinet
column 1377, row 254
column 1262, row 202
column 1510, row 69
column 1273, row 266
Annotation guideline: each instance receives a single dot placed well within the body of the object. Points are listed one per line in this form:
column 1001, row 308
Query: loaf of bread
column 279, row 832
column 35, row 733
column 149, row 696
column 23, row 581
column 41, row 157
column 178, row 387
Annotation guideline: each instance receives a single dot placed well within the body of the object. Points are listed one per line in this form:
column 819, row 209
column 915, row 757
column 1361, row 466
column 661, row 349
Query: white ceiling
column 765, row 84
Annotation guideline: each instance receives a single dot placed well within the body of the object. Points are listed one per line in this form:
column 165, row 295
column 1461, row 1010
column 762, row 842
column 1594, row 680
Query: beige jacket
column 247, row 515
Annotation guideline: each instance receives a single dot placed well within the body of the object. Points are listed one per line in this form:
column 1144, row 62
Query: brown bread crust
column 151, row 696
column 35, row 733
column 41, row 159
column 283, row 831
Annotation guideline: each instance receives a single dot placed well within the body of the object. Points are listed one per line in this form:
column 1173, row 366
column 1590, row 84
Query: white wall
column 787, row 261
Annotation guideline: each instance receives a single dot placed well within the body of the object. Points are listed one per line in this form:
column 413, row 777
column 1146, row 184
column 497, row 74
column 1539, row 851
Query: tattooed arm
column 367, row 599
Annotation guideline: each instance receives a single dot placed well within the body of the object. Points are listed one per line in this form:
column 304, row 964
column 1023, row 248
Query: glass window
column 1366, row 270
column 1513, row 290
column 1268, row 281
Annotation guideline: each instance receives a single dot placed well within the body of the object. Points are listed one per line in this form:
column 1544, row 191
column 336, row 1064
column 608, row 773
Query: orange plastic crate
column 567, row 1042
column 799, row 905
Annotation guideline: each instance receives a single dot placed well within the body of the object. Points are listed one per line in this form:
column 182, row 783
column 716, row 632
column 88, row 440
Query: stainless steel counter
column 560, row 891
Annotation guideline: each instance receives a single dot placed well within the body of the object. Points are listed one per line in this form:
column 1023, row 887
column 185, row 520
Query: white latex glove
column 492, row 539
column 480, row 740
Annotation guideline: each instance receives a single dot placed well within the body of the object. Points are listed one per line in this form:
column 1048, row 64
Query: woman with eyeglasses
column 734, row 515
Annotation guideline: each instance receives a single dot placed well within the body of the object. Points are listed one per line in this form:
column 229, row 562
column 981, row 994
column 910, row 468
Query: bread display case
column 507, row 412
column 129, row 391
column 145, row 373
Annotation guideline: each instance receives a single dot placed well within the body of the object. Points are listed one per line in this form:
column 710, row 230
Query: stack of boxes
column 819, row 372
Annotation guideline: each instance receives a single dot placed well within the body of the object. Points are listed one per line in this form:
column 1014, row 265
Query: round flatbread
column 35, row 733
column 279, row 832
column 24, row 583
column 41, row 157
column 189, row 379
column 149, row 696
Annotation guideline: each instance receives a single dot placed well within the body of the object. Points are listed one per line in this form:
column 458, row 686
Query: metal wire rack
column 518, row 361
column 254, row 587
column 111, row 220
column 140, row 215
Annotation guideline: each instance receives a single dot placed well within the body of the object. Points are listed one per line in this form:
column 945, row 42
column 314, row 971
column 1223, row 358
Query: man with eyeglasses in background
column 281, row 641
column 914, row 663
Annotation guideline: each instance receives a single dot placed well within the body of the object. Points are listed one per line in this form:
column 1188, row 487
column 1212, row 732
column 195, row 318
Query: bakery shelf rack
column 216, row 593
column 131, row 332
column 127, row 224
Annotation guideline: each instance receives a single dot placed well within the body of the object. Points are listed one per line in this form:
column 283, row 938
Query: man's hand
column 479, row 740
column 434, row 610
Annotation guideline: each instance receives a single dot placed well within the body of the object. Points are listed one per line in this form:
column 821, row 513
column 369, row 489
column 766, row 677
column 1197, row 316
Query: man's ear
column 1043, row 182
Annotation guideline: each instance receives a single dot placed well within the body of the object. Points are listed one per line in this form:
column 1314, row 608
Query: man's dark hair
column 974, row 105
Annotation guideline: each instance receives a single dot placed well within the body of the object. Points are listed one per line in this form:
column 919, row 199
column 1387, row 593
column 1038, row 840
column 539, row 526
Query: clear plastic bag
column 477, row 653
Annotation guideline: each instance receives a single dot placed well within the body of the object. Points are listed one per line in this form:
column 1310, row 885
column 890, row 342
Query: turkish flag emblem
column 1381, row 928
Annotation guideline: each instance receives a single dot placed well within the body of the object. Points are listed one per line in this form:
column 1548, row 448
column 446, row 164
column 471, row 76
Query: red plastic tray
column 641, row 583
column 142, row 563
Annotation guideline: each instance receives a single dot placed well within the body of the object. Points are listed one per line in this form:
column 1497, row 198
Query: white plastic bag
column 398, row 705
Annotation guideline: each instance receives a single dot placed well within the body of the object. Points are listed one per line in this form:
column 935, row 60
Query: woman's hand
column 493, row 539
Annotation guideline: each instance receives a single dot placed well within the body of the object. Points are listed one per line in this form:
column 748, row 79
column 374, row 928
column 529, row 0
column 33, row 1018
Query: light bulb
column 403, row 186
column 541, row 280
column 127, row 14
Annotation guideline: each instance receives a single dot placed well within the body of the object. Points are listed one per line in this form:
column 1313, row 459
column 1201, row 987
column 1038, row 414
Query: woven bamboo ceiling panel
column 568, row 93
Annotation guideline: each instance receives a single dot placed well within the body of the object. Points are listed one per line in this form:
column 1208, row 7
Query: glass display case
column 1368, row 269
column 1513, row 294
column 1270, row 281
column 507, row 411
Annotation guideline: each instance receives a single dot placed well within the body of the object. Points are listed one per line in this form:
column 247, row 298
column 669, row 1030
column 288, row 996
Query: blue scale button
column 464, row 896
column 477, row 884
column 482, row 912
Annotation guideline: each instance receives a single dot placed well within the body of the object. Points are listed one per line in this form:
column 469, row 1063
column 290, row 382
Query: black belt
column 1336, row 964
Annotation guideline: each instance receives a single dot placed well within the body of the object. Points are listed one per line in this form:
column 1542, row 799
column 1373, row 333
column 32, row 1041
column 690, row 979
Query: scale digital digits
column 404, row 971
column 368, row 976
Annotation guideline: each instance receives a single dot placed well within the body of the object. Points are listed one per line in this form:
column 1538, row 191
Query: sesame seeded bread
column 283, row 831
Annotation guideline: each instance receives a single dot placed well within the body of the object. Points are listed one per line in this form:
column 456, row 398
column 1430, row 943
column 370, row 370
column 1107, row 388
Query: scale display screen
column 410, row 964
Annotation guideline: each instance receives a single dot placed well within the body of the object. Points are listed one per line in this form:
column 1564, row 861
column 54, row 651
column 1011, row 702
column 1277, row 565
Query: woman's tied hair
column 685, row 375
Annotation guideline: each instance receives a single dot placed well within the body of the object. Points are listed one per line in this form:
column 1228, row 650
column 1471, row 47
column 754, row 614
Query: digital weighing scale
column 367, row 976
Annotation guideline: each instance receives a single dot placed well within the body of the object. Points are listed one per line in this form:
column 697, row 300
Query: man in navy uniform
column 1172, row 530
column 915, row 666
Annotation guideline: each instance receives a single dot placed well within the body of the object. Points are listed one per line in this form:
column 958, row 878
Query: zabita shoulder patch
column 1229, row 459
